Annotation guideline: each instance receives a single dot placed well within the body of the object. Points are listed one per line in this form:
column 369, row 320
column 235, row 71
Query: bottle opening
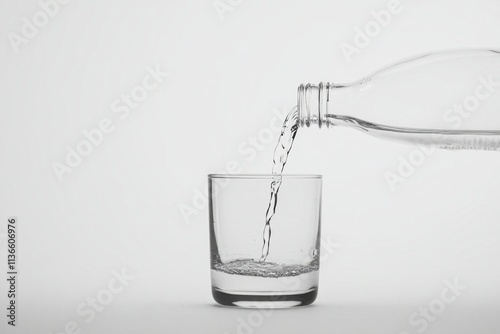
column 312, row 104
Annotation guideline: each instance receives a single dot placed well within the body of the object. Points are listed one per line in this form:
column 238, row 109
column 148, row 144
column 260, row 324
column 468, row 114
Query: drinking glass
column 241, row 274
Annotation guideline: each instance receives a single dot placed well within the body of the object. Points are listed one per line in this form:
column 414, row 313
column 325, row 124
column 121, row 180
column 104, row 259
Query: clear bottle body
column 446, row 99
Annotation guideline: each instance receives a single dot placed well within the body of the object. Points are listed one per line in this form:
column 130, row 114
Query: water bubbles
column 250, row 267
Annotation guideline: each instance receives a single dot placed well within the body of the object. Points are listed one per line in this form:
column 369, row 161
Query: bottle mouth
column 312, row 104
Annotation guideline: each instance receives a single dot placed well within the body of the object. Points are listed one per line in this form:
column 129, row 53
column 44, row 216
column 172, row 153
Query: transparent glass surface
column 289, row 274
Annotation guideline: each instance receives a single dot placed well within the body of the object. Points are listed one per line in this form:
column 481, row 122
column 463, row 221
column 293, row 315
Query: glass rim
column 265, row 176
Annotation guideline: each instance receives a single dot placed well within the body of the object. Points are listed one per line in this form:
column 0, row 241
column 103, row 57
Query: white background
column 120, row 208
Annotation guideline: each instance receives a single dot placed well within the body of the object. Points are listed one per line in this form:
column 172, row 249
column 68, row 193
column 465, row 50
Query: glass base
column 268, row 301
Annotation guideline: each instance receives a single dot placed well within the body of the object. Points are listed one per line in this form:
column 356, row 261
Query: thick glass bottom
column 271, row 300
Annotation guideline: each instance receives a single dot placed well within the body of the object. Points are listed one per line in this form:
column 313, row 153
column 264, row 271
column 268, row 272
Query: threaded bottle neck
column 312, row 104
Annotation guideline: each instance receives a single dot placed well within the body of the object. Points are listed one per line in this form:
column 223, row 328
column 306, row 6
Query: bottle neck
column 313, row 104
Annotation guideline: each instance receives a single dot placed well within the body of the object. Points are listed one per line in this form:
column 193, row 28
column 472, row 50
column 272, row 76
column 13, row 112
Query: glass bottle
column 448, row 99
